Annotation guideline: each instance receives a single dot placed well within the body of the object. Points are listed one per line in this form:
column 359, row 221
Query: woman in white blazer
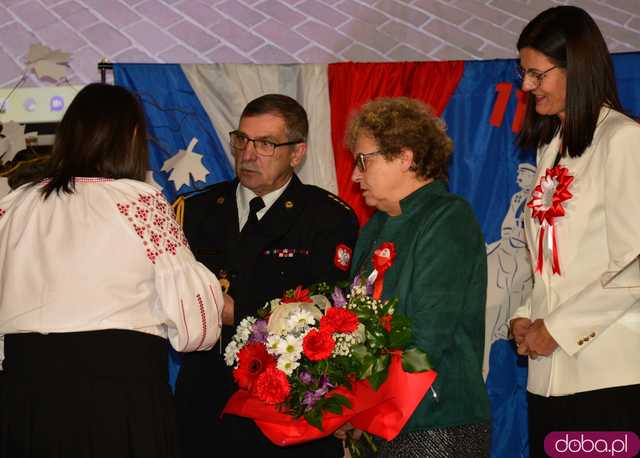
column 581, row 323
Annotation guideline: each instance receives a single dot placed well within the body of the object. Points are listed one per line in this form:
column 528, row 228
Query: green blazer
column 440, row 277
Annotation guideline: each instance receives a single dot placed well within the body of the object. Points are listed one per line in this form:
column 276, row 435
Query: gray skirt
column 467, row 441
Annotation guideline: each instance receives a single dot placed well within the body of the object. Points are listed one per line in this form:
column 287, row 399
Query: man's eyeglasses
column 239, row 142
column 536, row 75
column 361, row 160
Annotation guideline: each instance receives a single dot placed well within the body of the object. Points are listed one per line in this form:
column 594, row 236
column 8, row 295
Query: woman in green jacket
column 439, row 274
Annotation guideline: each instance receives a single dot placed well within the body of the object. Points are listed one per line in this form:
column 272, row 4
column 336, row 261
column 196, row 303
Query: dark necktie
column 255, row 205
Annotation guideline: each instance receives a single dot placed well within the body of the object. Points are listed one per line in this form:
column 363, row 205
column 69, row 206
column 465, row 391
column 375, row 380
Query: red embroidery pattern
column 2, row 212
column 91, row 179
column 203, row 320
column 152, row 218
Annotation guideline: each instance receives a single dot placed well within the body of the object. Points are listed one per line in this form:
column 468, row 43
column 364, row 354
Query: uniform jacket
column 592, row 308
column 440, row 278
column 295, row 244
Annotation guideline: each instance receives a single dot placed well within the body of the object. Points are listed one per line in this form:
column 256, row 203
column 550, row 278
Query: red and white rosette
column 382, row 259
column 547, row 204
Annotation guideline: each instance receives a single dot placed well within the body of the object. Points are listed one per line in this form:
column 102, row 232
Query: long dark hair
column 570, row 38
column 102, row 134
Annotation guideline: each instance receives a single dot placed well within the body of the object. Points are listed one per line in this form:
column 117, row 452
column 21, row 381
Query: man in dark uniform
column 263, row 233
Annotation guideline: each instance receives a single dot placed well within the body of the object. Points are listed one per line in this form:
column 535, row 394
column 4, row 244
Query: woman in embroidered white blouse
column 581, row 324
column 95, row 276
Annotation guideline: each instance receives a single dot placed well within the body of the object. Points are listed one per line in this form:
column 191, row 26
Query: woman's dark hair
column 401, row 122
column 102, row 134
column 570, row 38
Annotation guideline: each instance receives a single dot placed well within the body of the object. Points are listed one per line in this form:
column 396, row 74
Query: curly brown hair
column 401, row 122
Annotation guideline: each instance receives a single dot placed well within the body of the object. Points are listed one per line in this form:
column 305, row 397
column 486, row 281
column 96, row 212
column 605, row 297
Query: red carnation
column 339, row 319
column 253, row 360
column 318, row 345
column 273, row 386
column 385, row 321
column 299, row 295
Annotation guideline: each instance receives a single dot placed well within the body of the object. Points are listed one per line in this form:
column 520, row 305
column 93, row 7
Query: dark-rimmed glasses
column 536, row 75
column 361, row 160
column 239, row 142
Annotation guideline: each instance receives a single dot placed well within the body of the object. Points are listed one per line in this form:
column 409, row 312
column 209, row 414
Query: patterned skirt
column 467, row 441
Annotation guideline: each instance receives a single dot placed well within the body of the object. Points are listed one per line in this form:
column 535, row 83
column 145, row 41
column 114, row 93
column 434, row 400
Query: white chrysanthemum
column 300, row 319
column 287, row 365
column 243, row 334
column 230, row 353
column 273, row 343
column 290, row 347
column 243, row 331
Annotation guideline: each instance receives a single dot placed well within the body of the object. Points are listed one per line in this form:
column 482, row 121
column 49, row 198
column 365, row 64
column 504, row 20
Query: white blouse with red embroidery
column 108, row 256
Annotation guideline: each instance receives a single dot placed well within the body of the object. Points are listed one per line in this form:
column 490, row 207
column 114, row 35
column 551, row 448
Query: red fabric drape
column 352, row 84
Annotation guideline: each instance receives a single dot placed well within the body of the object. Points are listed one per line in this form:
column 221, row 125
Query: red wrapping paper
column 382, row 413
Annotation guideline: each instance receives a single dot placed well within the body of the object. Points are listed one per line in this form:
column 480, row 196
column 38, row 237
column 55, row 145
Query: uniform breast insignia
column 220, row 200
column 288, row 204
column 287, row 252
column 224, row 281
column 342, row 258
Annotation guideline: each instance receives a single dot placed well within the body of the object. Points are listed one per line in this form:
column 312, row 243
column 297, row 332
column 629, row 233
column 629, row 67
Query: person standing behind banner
column 581, row 323
column 439, row 275
column 95, row 277
column 297, row 235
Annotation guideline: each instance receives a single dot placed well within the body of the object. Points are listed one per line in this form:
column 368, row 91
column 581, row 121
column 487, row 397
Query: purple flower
column 338, row 297
column 356, row 281
column 306, row 378
column 259, row 332
column 325, row 384
column 310, row 399
column 369, row 287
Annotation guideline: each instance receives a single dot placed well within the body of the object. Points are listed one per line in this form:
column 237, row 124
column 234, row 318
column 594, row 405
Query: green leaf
column 360, row 352
column 342, row 400
column 415, row 360
column 335, row 403
column 380, row 371
column 314, row 417
column 401, row 334
column 376, row 338
column 366, row 368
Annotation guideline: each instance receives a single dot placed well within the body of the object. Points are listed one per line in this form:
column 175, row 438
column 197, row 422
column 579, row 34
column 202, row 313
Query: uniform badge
column 342, row 258
column 223, row 280
column 220, row 200
column 288, row 204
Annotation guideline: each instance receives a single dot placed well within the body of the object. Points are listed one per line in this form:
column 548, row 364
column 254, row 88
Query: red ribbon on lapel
column 546, row 204
column 382, row 259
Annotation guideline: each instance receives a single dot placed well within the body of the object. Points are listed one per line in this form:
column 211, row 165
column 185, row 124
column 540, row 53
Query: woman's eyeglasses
column 536, row 75
column 361, row 160
column 239, row 142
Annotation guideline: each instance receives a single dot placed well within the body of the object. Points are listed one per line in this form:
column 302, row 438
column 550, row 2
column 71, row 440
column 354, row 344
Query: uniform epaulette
column 339, row 200
column 178, row 204
column 178, row 209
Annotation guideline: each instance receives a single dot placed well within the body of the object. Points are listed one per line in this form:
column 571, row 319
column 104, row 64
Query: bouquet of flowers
column 319, row 357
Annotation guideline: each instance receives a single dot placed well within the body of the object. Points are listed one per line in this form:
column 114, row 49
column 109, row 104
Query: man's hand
column 342, row 431
column 518, row 329
column 228, row 310
column 538, row 339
